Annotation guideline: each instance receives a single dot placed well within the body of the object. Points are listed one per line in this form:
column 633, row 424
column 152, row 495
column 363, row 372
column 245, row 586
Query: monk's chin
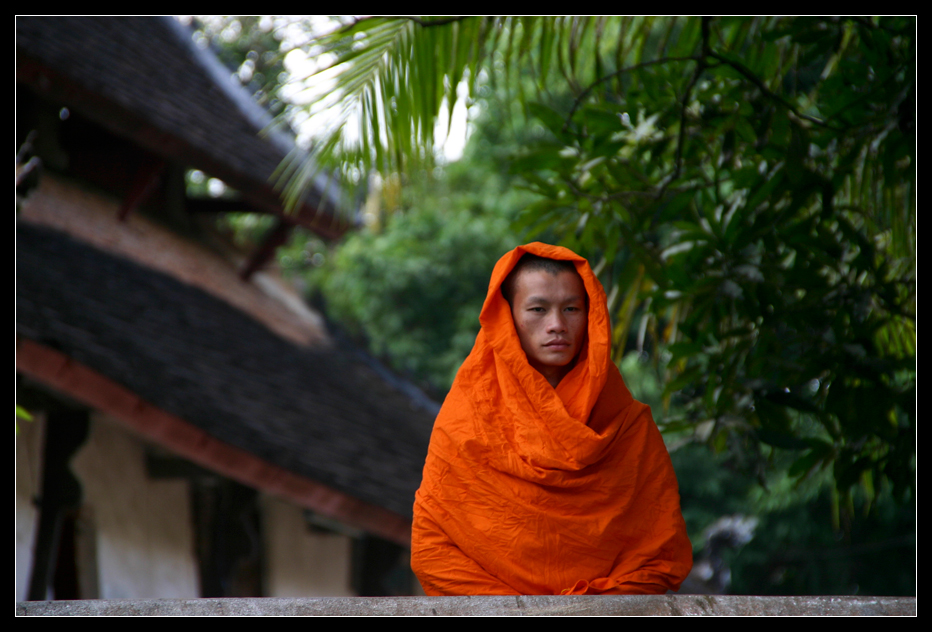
column 558, row 357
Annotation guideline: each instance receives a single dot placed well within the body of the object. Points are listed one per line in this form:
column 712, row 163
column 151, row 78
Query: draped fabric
column 529, row 489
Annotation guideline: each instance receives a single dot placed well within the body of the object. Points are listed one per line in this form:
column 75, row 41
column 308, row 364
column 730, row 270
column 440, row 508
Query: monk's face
column 551, row 318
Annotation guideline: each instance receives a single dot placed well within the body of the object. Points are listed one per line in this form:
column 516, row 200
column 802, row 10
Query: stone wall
column 634, row 605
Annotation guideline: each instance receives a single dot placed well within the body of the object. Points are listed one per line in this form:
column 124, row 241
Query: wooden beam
column 66, row 432
column 144, row 183
column 273, row 240
column 59, row 88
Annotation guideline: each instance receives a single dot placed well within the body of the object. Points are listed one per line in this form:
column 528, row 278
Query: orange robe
column 533, row 490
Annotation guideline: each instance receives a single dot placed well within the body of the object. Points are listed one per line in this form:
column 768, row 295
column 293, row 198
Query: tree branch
column 750, row 76
column 612, row 75
column 681, row 140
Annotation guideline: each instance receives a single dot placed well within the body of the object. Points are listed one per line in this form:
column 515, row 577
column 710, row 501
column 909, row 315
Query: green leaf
column 550, row 118
column 773, row 222
column 690, row 377
column 684, row 349
column 809, row 461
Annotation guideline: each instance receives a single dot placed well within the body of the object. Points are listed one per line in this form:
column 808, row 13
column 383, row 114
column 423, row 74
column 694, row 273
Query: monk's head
column 550, row 308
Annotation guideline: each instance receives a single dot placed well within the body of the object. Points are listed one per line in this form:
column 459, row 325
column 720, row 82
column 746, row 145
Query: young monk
column 544, row 476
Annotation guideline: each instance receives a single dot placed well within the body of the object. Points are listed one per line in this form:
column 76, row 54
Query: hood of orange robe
column 530, row 489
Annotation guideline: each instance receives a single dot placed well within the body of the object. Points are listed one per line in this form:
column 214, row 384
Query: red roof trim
column 86, row 385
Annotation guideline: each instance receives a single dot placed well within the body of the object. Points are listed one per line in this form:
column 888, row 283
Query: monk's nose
column 557, row 323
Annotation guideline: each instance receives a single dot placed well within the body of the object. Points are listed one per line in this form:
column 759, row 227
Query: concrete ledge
column 631, row 605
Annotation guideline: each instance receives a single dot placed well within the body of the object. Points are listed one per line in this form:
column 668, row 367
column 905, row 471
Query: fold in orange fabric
column 530, row 489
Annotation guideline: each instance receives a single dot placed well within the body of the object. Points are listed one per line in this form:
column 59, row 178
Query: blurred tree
column 251, row 46
column 789, row 548
column 412, row 283
column 745, row 187
column 415, row 289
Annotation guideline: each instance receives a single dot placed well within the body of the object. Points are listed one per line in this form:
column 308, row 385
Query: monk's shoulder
column 615, row 408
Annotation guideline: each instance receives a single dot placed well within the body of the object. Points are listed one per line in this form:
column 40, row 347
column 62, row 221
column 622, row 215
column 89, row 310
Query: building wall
column 28, row 478
column 141, row 528
column 300, row 562
column 135, row 537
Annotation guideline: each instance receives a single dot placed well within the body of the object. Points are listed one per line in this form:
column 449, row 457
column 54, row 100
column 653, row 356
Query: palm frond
column 394, row 76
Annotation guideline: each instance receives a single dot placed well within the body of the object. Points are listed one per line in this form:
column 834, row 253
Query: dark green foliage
column 760, row 198
column 792, row 554
column 794, row 550
column 745, row 186
column 415, row 289
column 746, row 190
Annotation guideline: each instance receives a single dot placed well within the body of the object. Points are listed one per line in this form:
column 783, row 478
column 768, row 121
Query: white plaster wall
column 28, row 478
column 300, row 563
column 144, row 534
column 142, row 527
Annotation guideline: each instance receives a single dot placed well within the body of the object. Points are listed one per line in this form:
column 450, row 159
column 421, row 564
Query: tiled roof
column 324, row 414
column 148, row 70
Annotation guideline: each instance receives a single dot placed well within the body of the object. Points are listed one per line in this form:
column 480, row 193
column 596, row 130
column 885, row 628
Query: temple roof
column 327, row 414
column 145, row 79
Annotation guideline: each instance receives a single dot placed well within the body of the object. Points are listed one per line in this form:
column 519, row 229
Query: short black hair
column 535, row 263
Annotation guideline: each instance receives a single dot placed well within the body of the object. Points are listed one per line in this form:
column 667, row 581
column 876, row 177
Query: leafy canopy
column 745, row 187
